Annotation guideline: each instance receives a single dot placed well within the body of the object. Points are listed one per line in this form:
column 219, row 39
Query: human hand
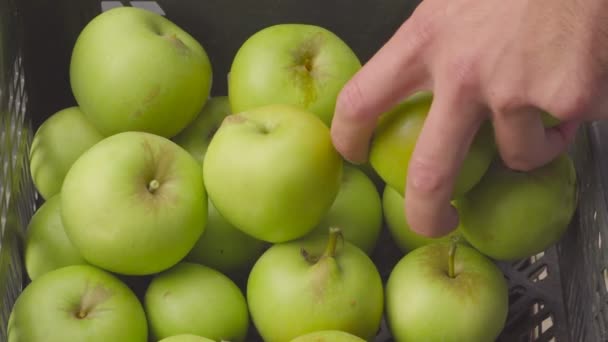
column 506, row 61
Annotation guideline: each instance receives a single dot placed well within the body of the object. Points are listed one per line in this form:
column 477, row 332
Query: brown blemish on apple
column 91, row 298
column 306, row 71
column 323, row 274
column 233, row 118
column 147, row 101
column 178, row 43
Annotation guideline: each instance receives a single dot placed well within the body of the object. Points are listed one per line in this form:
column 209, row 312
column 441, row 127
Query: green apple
column 395, row 138
column 446, row 292
column 77, row 303
column 134, row 70
column 195, row 137
column 406, row 239
column 134, row 203
column 328, row 336
column 273, row 172
column 186, row 338
column 315, row 284
column 58, row 142
column 357, row 211
column 47, row 246
column 371, row 174
column 196, row 299
column 225, row 248
column 291, row 63
column 513, row 215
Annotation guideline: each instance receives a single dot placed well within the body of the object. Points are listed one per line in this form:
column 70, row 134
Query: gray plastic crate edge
column 559, row 296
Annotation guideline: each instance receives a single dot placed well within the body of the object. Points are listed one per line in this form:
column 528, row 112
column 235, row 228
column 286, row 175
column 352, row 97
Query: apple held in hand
column 446, row 292
column 357, row 211
column 196, row 299
column 77, row 303
column 58, row 142
column 328, row 336
column 272, row 172
column 225, row 248
column 513, row 215
column 295, row 64
column 134, row 203
column 406, row 239
column 186, row 338
column 134, row 70
column 395, row 138
column 196, row 136
column 47, row 246
column 315, row 284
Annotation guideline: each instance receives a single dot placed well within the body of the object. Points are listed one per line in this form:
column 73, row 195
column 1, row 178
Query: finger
column 523, row 141
column 393, row 73
column 440, row 150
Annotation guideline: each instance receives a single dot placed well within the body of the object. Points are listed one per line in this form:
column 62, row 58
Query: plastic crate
column 559, row 295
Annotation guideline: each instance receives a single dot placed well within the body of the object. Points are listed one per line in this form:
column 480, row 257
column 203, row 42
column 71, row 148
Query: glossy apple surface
column 426, row 303
column 77, row 303
column 47, row 247
column 134, row 70
column 357, row 211
column 58, row 142
column 513, row 215
column 297, row 64
column 196, row 299
column 134, row 204
column 273, row 172
column 315, row 284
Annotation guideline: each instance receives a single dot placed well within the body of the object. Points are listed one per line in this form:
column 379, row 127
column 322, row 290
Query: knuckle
column 464, row 72
column 507, row 100
column 427, row 178
column 421, row 31
column 575, row 103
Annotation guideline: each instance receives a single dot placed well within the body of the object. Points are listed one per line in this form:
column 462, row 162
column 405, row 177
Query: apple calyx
column 451, row 254
column 153, row 186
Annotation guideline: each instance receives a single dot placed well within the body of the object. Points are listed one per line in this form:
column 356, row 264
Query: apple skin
column 186, row 338
column 134, row 70
column 406, row 239
column 357, row 211
column 296, row 64
column 513, row 215
column 395, row 138
column 196, row 299
column 225, row 248
column 53, row 151
column 47, row 247
column 424, row 304
column 196, row 136
column 273, row 172
column 290, row 295
column 117, row 221
column 328, row 336
column 47, row 309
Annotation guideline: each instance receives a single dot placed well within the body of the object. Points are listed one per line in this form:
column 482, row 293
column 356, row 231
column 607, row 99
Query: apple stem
column 334, row 234
column 451, row 254
column 153, row 185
